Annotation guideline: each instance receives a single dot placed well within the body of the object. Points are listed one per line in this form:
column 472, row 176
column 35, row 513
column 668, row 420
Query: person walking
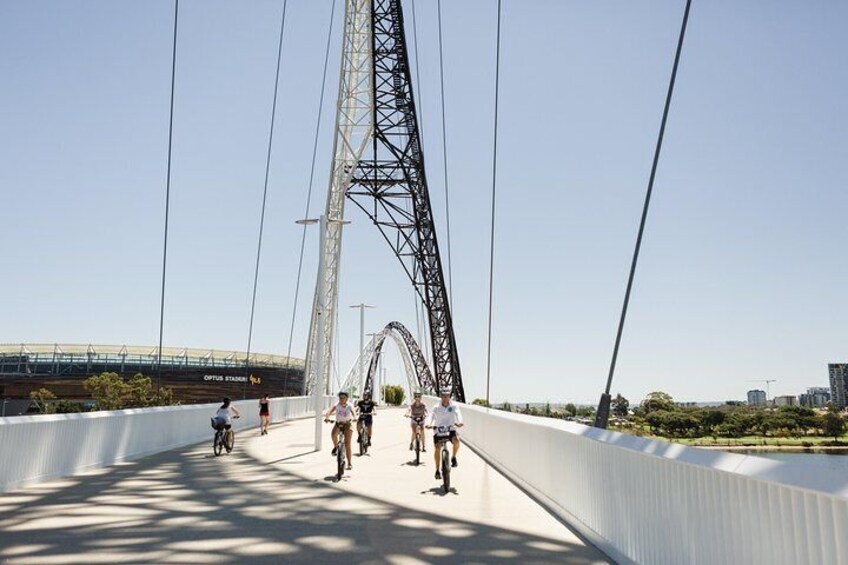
column 264, row 414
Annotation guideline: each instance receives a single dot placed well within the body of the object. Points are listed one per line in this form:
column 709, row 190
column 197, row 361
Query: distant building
column 838, row 383
column 815, row 397
column 785, row 400
column 756, row 398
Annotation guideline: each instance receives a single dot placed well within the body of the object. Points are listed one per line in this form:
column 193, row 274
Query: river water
column 834, row 460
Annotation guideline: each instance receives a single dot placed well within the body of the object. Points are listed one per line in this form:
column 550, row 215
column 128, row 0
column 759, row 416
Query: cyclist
column 445, row 418
column 367, row 409
column 223, row 417
column 344, row 415
column 417, row 414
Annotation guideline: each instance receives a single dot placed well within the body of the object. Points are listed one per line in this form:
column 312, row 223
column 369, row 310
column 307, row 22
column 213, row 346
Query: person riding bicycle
column 344, row 416
column 224, row 416
column 445, row 418
column 417, row 413
column 367, row 409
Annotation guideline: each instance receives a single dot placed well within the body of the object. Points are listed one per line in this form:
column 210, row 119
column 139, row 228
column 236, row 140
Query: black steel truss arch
column 423, row 375
column 390, row 186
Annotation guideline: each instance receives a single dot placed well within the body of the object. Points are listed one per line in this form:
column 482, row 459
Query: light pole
column 362, row 307
column 320, row 333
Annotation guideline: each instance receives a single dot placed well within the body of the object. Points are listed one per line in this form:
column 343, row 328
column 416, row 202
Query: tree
column 710, row 419
column 42, row 397
column 657, row 401
column 570, row 410
column 586, row 411
column 547, row 410
column 620, row 406
column 394, row 394
column 506, row 407
column 111, row 392
column 833, row 425
column 481, row 402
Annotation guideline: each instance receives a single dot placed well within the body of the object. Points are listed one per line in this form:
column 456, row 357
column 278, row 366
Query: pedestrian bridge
column 143, row 486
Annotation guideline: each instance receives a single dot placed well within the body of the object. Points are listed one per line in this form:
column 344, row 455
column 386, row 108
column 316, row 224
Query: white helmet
column 445, row 390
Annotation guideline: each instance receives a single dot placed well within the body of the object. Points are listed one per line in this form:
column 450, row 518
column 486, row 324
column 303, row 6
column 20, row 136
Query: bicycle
column 363, row 438
column 419, row 429
column 224, row 438
column 442, row 443
column 340, row 451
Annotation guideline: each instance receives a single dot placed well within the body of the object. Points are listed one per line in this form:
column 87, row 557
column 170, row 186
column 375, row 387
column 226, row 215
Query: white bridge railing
column 42, row 447
column 653, row 502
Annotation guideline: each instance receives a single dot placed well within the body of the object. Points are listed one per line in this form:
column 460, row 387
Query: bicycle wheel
column 446, row 470
column 363, row 442
column 340, row 459
column 417, row 451
column 217, row 444
column 230, row 440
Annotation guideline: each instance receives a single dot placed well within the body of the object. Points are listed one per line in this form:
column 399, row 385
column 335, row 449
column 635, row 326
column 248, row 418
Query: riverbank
column 777, row 448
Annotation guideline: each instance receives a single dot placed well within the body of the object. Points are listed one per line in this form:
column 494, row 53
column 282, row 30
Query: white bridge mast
column 354, row 130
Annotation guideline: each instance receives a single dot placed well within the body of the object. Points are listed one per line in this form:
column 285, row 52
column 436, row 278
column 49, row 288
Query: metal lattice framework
column 418, row 374
column 378, row 163
column 391, row 187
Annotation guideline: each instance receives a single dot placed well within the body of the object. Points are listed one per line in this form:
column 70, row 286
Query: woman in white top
column 225, row 413
column 345, row 414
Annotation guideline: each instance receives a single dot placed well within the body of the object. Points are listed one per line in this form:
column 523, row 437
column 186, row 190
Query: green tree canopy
column 394, row 394
column 620, row 406
column 42, row 398
column 833, row 425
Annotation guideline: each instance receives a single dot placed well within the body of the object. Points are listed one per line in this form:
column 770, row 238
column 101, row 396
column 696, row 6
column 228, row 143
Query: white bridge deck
column 274, row 500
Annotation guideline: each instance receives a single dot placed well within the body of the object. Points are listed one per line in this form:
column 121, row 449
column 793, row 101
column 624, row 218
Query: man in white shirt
column 445, row 418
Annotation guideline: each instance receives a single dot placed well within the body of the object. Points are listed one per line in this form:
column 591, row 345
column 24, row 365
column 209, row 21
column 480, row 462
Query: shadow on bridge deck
column 270, row 502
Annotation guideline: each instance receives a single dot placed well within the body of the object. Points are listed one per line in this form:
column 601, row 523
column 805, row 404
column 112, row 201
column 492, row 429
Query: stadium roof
column 76, row 350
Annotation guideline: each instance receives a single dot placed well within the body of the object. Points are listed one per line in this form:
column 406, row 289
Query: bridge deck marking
column 273, row 501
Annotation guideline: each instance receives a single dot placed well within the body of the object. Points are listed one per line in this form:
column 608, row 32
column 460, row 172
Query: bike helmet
column 416, row 394
column 445, row 390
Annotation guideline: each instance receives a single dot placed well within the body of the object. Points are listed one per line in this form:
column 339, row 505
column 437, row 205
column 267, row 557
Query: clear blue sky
column 743, row 268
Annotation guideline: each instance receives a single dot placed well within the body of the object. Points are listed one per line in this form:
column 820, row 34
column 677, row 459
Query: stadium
column 194, row 375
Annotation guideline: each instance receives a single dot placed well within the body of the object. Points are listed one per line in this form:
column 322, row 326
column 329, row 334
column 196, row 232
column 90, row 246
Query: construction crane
column 768, row 382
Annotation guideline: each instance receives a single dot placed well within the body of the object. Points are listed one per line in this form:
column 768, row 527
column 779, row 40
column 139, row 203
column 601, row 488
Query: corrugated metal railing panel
column 43, row 447
column 653, row 502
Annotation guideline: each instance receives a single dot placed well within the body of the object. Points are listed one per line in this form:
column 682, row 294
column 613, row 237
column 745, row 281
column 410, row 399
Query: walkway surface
column 274, row 500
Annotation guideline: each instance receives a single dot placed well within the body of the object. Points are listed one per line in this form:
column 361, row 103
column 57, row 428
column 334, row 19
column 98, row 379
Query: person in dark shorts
column 417, row 413
column 445, row 419
column 264, row 414
column 367, row 409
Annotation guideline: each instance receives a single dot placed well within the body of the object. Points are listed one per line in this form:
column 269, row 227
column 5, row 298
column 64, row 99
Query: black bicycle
column 225, row 438
column 442, row 443
column 340, row 451
column 419, row 429
column 363, row 438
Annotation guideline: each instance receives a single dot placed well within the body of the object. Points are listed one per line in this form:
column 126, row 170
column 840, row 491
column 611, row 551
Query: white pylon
column 354, row 129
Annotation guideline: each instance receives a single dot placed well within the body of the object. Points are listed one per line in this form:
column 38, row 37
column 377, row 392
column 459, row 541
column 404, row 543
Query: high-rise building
column 838, row 383
column 815, row 397
column 785, row 400
column 756, row 398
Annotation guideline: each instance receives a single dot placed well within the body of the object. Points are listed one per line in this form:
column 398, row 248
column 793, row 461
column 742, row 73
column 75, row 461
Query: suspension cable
column 167, row 201
column 603, row 411
column 309, row 192
column 445, row 155
column 419, row 107
column 494, row 193
column 264, row 195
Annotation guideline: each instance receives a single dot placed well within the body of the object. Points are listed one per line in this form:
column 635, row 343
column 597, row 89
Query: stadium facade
column 194, row 375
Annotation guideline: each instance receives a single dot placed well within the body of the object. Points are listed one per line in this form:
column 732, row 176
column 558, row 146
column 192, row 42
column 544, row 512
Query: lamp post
column 320, row 333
